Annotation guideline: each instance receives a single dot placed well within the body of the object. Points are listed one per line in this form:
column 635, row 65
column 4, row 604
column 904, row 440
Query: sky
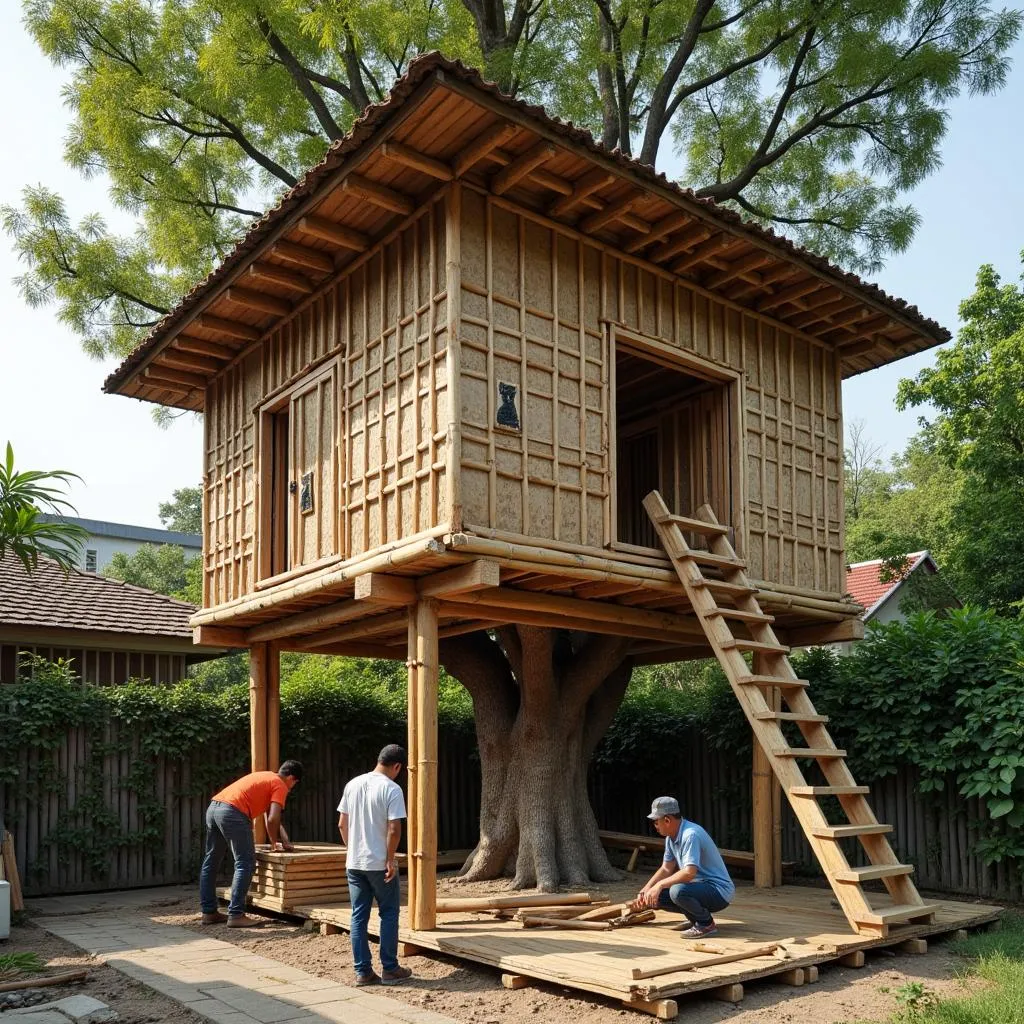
column 55, row 415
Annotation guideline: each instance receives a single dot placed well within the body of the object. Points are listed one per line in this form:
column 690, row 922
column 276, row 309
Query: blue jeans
column 227, row 826
column 363, row 888
column 697, row 900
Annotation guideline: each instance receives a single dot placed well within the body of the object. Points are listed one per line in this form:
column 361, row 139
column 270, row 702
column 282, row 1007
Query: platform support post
column 767, row 804
column 259, row 659
column 423, row 668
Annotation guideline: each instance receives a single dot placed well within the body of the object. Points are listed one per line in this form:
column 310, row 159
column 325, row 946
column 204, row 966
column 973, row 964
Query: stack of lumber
column 578, row 910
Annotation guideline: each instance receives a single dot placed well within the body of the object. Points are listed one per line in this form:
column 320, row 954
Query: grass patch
column 13, row 965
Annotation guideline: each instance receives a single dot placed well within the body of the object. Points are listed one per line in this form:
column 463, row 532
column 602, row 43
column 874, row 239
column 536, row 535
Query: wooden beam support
column 408, row 157
column 664, row 227
column 685, row 240
column 189, row 361
column 158, row 375
column 380, row 195
column 423, row 672
column 795, row 977
column 219, row 636
column 854, row 959
column 858, row 348
column 915, row 946
column 264, row 302
column 372, row 625
column 521, row 167
column 233, row 328
column 663, row 1009
column 487, row 140
column 824, row 633
column 612, row 212
column 514, row 981
column 330, row 231
column 583, row 187
column 258, row 660
column 383, row 652
column 728, row 993
column 794, row 293
column 303, row 255
column 707, row 249
column 186, row 343
column 279, row 275
column 476, row 575
column 380, row 588
column 307, row 622
column 739, row 268
column 769, row 277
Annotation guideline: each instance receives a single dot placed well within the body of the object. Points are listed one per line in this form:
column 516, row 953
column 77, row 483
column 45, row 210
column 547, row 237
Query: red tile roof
column 47, row 598
column 864, row 580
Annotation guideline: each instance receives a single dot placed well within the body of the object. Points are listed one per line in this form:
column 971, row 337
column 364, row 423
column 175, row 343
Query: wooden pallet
column 756, row 689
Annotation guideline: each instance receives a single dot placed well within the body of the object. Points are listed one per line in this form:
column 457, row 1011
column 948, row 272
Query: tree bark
column 542, row 700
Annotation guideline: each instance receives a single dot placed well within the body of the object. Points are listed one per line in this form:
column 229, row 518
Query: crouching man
column 692, row 879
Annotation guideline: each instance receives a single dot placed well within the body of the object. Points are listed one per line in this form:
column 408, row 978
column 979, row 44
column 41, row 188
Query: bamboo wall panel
column 537, row 302
column 385, row 320
column 95, row 665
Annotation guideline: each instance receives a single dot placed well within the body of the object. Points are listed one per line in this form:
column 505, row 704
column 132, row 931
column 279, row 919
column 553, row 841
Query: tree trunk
column 542, row 700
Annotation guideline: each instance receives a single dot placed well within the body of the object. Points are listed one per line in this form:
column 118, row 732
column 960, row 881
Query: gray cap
column 663, row 805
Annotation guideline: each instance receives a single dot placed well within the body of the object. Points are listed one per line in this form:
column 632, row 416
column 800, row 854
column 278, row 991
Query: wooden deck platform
column 804, row 923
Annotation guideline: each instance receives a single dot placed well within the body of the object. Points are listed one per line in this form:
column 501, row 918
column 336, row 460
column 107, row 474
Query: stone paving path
column 218, row 980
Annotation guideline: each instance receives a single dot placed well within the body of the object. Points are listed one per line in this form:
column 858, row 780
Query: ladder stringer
column 755, row 689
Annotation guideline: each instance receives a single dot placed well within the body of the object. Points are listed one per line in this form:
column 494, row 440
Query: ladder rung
column 789, row 716
column 703, row 557
column 846, row 831
column 697, row 525
column 872, row 872
column 739, row 615
column 824, row 752
column 741, row 644
column 724, row 588
column 829, row 790
column 769, row 681
column 896, row 913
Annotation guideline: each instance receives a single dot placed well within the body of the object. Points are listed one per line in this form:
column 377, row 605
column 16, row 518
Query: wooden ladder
column 761, row 692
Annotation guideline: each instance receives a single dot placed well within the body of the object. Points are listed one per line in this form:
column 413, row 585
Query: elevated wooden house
column 441, row 376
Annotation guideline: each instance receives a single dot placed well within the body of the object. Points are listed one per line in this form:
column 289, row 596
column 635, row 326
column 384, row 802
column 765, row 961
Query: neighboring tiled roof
column 123, row 531
column 865, row 585
column 48, row 599
column 375, row 115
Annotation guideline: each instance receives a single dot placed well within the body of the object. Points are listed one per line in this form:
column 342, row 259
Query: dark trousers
column 227, row 826
column 697, row 900
column 363, row 888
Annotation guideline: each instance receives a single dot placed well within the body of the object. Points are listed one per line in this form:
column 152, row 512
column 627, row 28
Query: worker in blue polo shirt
column 692, row 879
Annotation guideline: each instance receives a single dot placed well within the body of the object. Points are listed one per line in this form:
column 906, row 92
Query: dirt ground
column 473, row 994
column 135, row 1003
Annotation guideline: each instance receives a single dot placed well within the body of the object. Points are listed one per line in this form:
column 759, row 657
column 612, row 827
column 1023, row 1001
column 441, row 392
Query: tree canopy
column 816, row 115
column 184, row 512
column 165, row 568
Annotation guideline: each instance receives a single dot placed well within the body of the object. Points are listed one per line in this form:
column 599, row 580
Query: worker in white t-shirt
column 370, row 821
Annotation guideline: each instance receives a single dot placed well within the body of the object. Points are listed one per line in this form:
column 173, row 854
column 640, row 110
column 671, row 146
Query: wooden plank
column 463, row 905
column 475, row 575
column 219, row 636
column 380, row 588
column 637, row 973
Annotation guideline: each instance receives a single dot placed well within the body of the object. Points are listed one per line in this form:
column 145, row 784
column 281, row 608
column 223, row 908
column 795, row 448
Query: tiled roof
column 864, row 580
column 419, row 70
column 47, row 598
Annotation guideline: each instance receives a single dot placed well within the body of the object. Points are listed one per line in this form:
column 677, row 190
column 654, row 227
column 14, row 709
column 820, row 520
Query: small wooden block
column 795, row 977
column 408, row 949
column 913, row 946
column 326, row 928
column 309, row 925
column 854, row 959
column 960, row 934
column 633, row 858
column 514, row 981
column 811, row 974
column 728, row 993
column 663, row 1009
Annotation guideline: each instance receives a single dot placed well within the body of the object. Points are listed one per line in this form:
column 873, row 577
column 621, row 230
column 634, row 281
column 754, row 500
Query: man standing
column 229, row 821
column 370, row 821
column 692, row 879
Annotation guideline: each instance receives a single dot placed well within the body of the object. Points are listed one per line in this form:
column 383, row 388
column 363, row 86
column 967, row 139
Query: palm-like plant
column 24, row 496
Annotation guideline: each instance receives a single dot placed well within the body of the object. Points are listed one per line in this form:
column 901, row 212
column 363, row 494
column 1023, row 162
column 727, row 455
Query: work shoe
column 701, row 931
column 215, row 918
column 366, row 979
column 395, row 976
column 244, row 921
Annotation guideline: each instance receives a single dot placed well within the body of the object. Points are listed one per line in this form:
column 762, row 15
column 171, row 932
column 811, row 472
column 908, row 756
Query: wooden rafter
column 187, row 343
column 408, row 157
column 280, row 276
column 377, row 194
column 739, row 268
column 375, row 625
column 292, row 252
column 712, row 247
column 189, row 361
column 686, row 239
column 824, row 311
column 330, row 231
column 261, row 301
column 233, row 328
column 612, row 212
column 587, row 185
column 770, row 277
column 857, row 348
column 476, row 150
column 521, row 166
column 158, row 376
column 795, row 294
column 661, row 229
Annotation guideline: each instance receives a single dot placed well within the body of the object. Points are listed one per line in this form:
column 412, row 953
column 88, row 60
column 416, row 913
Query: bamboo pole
column 469, row 904
column 766, row 802
column 273, row 707
column 258, row 665
column 412, row 752
column 423, row 913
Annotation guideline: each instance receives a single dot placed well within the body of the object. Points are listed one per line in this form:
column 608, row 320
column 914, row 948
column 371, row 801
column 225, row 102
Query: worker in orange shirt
column 229, row 821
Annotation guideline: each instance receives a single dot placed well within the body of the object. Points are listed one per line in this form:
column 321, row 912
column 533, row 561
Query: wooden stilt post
column 412, row 752
column 258, row 666
column 273, row 707
column 767, row 806
column 423, row 862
